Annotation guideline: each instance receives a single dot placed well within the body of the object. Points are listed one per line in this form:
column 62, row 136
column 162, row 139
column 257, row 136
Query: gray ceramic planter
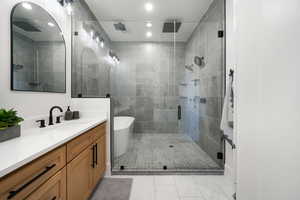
column 10, row 133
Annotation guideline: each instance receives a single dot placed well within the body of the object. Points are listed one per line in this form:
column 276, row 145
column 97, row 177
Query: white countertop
column 35, row 142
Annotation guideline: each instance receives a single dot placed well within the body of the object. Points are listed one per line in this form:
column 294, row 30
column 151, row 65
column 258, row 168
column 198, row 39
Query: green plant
column 9, row 118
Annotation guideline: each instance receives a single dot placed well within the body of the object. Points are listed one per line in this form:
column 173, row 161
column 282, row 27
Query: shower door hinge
column 234, row 196
column 220, row 155
column 220, row 34
column 76, row 33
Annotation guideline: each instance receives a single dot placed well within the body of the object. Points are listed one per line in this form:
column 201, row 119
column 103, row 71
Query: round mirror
column 38, row 50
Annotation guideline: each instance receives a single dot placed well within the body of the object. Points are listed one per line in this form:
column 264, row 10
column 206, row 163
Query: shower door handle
column 179, row 112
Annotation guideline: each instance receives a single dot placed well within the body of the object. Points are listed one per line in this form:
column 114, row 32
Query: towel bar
column 225, row 137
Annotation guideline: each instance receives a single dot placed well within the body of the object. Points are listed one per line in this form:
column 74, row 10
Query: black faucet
column 51, row 115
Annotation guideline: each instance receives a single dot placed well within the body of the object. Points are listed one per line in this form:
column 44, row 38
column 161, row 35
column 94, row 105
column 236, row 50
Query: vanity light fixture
column 51, row 24
column 92, row 34
column 27, row 6
column 67, row 5
column 114, row 57
column 100, row 40
column 148, row 6
column 149, row 24
column 102, row 43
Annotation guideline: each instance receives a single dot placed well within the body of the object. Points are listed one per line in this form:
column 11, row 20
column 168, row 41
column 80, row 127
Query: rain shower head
column 120, row 27
column 171, row 26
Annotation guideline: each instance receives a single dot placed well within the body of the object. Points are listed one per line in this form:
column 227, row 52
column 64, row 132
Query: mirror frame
column 12, row 50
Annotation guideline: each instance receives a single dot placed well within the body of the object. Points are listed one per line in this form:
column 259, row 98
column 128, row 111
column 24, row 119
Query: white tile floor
column 193, row 187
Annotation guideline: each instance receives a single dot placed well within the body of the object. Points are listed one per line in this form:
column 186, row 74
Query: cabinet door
column 100, row 159
column 53, row 189
column 80, row 176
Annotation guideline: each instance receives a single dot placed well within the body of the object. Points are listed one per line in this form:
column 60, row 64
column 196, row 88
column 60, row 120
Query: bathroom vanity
column 67, row 166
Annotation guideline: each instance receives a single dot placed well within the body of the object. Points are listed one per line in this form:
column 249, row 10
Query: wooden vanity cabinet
column 71, row 171
column 88, row 167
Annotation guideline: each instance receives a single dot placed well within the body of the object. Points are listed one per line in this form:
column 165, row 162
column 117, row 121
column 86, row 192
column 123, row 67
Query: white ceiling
column 134, row 16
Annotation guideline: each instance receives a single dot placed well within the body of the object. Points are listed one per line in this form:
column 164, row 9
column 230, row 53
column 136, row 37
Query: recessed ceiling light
column 149, row 24
column 149, row 34
column 27, row 6
column 51, row 24
column 149, row 7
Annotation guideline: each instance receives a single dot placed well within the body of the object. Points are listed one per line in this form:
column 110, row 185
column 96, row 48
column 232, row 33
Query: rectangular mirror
column 38, row 50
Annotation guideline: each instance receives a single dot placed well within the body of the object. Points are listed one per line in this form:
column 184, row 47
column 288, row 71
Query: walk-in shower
column 174, row 90
column 166, row 91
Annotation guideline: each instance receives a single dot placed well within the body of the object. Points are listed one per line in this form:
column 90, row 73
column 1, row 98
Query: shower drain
column 171, row 146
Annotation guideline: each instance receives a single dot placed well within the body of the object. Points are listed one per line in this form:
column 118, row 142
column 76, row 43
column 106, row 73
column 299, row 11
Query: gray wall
column 91, row 64
column 51, row 62
column 43, row 63
column 145, row 84
column 201, row 121
column 23, row 54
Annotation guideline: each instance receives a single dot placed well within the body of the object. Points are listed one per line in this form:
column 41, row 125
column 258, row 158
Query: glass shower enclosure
column 173, row 88
column 166, row 92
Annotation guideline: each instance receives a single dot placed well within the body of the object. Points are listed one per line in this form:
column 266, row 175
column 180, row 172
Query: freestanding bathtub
column 123, row 129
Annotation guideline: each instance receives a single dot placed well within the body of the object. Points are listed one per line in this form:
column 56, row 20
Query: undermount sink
column 68, row 125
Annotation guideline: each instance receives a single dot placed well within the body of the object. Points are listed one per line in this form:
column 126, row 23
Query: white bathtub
column 123, row 129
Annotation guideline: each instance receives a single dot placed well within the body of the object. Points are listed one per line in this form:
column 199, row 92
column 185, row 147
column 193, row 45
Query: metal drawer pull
column 97, row 154
column 93, row 161
column 15, row 192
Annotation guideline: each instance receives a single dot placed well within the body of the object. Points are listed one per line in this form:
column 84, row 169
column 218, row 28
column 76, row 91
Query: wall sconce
column 99, row 40
column 102, row 43
column 67, row 5
column 114, row 57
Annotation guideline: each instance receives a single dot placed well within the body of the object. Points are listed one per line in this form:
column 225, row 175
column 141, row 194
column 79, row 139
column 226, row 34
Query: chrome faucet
column 51, row 115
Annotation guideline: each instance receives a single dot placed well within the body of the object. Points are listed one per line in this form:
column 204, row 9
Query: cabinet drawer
column 54, row 189
column 19, row 184
column 98, row 131
column 77, row 145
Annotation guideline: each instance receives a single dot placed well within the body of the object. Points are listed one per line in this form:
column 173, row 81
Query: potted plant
column 9, row 124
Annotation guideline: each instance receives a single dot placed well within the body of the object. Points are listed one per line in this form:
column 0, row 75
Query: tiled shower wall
column 145, row 84
column 201, row 90
column 91, row 63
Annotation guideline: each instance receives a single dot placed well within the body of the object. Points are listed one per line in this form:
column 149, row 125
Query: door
column 53, row 189
column 201, row 90
column 100, row 157
column 80, row 176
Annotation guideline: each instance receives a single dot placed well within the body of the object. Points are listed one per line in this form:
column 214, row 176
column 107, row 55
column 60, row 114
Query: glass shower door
column 201, row 90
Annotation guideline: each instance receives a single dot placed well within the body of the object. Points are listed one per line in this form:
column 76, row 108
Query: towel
column 227, row 114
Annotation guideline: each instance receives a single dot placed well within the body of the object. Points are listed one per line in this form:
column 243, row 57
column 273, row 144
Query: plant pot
column 10, row 133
